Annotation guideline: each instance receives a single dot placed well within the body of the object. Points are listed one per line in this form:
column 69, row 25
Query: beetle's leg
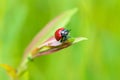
column 64, row 39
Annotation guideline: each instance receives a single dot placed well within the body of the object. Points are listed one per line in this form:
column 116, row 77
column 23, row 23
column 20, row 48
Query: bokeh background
column 98, row 58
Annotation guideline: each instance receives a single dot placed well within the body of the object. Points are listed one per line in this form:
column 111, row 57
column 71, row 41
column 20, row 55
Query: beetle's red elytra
column 61, row 34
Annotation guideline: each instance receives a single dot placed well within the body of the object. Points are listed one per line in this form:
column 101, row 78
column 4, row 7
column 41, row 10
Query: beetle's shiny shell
column 58, row 35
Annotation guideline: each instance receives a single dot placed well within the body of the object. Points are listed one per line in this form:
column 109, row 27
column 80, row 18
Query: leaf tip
column 80, row 39
column 74, row 10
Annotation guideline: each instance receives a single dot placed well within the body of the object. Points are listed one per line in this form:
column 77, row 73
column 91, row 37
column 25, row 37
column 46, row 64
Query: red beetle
column 61, row 34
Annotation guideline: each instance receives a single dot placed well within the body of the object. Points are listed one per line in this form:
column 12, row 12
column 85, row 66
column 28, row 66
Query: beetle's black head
column 64, row 34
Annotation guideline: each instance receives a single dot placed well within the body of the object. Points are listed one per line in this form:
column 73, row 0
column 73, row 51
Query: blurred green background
column 95, row 59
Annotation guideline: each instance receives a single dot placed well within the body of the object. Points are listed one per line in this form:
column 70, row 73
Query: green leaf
column 48, row 31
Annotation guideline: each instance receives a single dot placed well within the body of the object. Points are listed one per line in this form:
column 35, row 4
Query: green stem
column 23, row 67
